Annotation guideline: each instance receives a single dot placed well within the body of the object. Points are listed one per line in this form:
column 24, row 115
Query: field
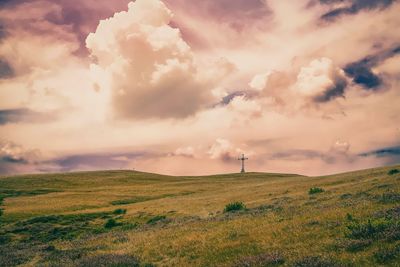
column 127, row 218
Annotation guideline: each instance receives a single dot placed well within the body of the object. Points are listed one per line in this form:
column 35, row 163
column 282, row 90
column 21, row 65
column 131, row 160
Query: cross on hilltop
column 243, row 159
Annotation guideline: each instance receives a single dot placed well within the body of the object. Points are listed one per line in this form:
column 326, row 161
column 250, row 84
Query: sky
column 184, row 87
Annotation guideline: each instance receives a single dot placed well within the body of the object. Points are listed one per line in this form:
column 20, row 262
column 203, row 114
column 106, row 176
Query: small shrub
column 349, row 217
column 234, row 206
column 4, row 239
column 316, row 261
column 393, row 213
column 315, row 190
column 380, row 228
column 50, row 248
column 156, row 219
column 262, row 260
column 346, row 196
column 111, row 223
column 119, row 211
column 357, row 245
column 388, row 198
column 393, row 171
column 385, row 255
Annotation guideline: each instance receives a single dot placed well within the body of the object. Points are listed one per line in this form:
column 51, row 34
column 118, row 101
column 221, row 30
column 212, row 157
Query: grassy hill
column 127, row 218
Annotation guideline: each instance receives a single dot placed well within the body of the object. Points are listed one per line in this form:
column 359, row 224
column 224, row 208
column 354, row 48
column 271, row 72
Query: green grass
column 127, row 218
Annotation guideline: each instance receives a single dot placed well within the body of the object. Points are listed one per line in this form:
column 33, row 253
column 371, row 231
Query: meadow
column 128, row 218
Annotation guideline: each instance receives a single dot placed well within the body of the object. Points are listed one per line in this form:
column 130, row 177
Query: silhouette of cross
column 243, row 159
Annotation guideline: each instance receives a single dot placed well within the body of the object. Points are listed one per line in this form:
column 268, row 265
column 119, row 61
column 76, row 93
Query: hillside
column 127, row 218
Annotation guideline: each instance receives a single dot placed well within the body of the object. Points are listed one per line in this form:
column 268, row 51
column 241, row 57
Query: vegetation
column 156, row 219
column 234, row 206
column 315, row 190
column 261, row 260
column 393, row 171
column 126, row 218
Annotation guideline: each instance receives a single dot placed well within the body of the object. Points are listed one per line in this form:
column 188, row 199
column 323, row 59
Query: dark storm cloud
column 6, row 71
column 336, row 90
column 361, row 71
column 229, row 98
column 353, row 7
column 23, row 115
column 363, row 75
column 3, row 31
column 8, row 159
column 383, row 152
column 391, row 155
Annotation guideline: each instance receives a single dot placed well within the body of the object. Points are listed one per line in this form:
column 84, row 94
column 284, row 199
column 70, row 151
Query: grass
column 127, row 218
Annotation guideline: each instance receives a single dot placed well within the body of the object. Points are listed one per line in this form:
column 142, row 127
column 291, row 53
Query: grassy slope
column 178, row 221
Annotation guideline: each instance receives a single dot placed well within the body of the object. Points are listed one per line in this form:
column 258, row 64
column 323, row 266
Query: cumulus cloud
column 185, row 151
column 341, row 147
column 15, row 158
column 15, row 153
column 224, row 150
column 321, row 80
column 149, row 66
column 313, row 85
column 152, row 70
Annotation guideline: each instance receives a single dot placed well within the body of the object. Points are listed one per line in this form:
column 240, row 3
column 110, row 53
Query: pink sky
column 184, row 87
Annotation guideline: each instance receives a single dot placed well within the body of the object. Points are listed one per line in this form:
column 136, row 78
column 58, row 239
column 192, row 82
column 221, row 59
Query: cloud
column 185, row 152
column 362, row 73
column 15, row 159
column 390, row 155
column 236, row 18
column 6, row 70
column 341, row 147
column 383, row 152
column 77, row 17
column 23, row 115
column 311, row 86
column 321, row 81
column 152, row 70
column 350, row 7
column 224, row 150
column 94, row 161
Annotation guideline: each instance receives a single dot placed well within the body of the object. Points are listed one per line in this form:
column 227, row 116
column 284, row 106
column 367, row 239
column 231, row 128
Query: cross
column 243, row 159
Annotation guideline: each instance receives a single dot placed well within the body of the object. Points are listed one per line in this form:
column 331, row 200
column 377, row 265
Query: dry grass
column 281, row 217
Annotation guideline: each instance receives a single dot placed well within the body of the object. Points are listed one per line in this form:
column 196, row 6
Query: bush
column 266, row 259
column 111, row 223
column 119, row 211
column 388, row 198
column 234, row 206
column 381, row 228
column 385, row 255
column 357, row 245
column 393, row 171
column 156, row 219
column 315, row 190
column 4, row 239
